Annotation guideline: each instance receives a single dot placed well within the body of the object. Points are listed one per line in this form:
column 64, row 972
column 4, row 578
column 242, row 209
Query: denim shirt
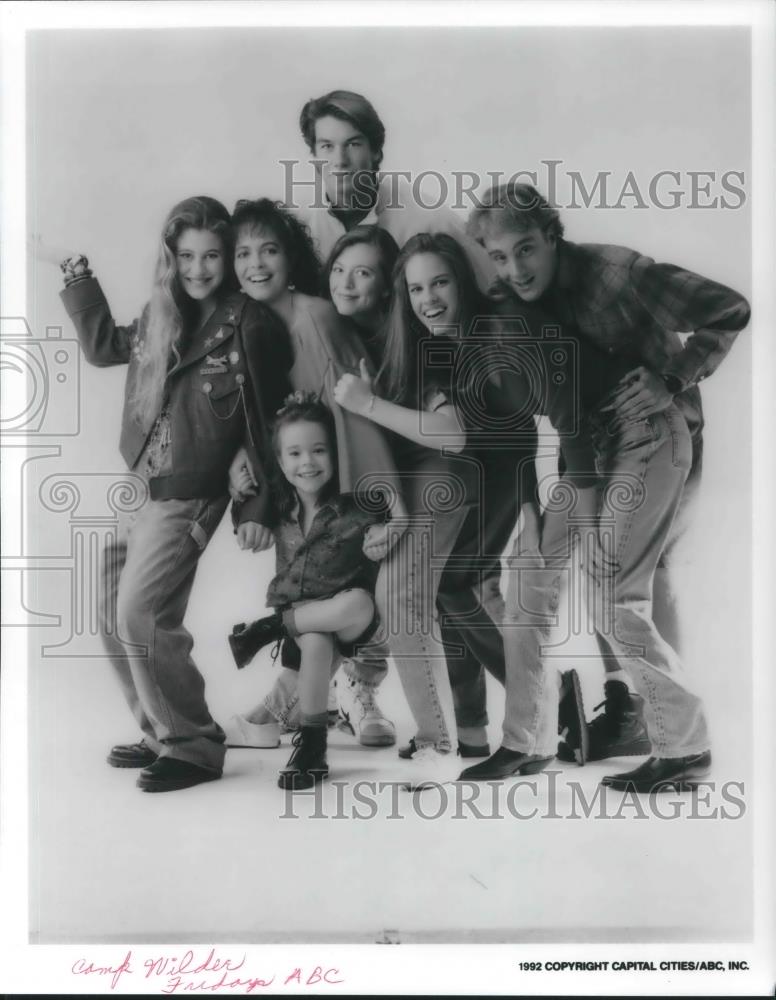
column 328, row 558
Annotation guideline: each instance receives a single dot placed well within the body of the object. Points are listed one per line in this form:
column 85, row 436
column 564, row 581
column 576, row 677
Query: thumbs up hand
column 365, row 373
column 354, row 392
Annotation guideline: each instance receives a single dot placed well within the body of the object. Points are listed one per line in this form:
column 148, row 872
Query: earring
column 291, row 286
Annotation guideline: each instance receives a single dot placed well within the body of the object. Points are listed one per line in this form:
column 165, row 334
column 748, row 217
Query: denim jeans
column 641, row 468
column 282, row 699
column 537, row 573
column 470, row 602
column 147, row 575
column 406, row 596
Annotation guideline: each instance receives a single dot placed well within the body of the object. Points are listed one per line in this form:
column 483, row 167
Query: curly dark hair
column 301, row 407
column 293, row 236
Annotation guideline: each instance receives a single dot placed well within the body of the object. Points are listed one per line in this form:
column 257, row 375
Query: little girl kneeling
column 326, row 572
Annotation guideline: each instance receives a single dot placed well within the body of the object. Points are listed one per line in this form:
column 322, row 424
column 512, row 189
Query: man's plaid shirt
column 632, row 307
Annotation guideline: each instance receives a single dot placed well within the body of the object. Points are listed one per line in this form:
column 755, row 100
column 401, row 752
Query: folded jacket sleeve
column 104, row 342
column 685, row 302
column 269, row 357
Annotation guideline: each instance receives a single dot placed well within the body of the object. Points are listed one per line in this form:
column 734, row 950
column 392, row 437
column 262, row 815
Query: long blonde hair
column 170, row 310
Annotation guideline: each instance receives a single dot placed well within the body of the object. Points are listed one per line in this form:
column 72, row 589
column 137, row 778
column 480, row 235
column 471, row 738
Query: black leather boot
column 618, row 731
column 307, row 764
column 247, row 640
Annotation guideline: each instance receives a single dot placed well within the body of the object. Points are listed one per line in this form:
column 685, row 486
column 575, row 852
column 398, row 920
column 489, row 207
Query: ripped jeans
column 147, row 574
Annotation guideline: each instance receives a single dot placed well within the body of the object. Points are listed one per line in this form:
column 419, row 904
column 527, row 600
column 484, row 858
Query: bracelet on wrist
column 370, row 404
column 74, row 279
column 75, row 268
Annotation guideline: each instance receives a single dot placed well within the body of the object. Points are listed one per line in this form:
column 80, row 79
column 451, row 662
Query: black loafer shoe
column 131, row 755
column 662, row 774
column 167, row 774
column 505, row 763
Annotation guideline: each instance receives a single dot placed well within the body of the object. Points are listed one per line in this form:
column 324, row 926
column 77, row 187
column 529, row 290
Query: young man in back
column 346, row 136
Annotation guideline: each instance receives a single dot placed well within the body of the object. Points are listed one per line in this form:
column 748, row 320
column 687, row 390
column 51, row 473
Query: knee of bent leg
column 362, row 605
column 133, row 614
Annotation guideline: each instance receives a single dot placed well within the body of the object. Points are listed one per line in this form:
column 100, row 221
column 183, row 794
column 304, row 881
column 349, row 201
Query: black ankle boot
column 307, row 764
column 247, row 640
column 618, row 731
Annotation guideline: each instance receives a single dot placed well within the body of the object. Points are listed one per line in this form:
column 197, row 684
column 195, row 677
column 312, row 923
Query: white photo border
column 492, row 969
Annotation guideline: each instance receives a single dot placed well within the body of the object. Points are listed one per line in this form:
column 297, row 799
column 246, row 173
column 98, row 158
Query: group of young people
column 363, row 378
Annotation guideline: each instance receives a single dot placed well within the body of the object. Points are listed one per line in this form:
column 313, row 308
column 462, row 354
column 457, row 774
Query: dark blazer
column 223, row 391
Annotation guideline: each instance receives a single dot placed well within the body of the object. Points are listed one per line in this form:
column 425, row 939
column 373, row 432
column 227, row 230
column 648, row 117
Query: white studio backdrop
column 122, row 125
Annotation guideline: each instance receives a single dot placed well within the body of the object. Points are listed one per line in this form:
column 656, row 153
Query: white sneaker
column 428, row 767
column 242, row 733
column 360, row 715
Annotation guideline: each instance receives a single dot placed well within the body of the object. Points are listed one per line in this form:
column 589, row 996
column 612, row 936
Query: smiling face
column 305, row 456
column 199, row 257
column 433, row 290
column 525, row 259
column 261, row 264
column 346, row 153
column 356, row 282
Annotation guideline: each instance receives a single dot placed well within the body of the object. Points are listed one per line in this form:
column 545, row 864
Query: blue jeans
column 406, row 597
column 641, row 468
column 147, row 575
column 471, row 607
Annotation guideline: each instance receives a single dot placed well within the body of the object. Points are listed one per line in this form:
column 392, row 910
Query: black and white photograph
column 386, row 549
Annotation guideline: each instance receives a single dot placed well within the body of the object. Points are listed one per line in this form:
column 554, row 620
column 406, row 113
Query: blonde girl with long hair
column 206, row 369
